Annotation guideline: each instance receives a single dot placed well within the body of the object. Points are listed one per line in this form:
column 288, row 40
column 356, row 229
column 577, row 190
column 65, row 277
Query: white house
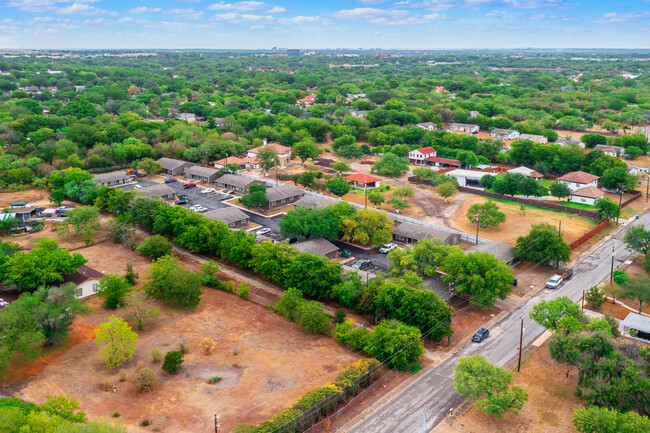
column 528, row 172
column 587, row 195
column 614, row 151
column 86, row 279
column 464, row 127
column 504, row 134
column 473, row 113
column 536, row 138
column 565, row 142
column 578, row 179
column 636, row 170
column 418, row 156
column 429, row 126
column 468, row 177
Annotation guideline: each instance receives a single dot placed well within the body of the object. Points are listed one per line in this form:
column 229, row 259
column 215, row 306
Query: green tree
column 446, row 190
column 395, row 343
column 543, row 245
column 268, row 158
column 256, row 197
column 549, row 313
column 376, row 197
column 155, row 246
column 488, row 386
column 306, row 149
column 424, row 257
column 591, row 140
column 288, row 304
column 112, row 289
column 139, row 308
column 398, row 204
column 340, row 167
column 403, row 192
column 339, row 187
column 168, row 280
column 633, row 152
column 560, row 190
column 595, row 297
column 487, row 214
column 390, row 165
column 311, row 316
column 148, row 165
column 637, row 238
column 637, row 288
column 607, row 420
column 8, row 225
column 116, row 342
column 368, row 226
column 607, row 208
column 479, row 275
column 616, row 178
column 85, row 221
column 172, row 362
column 64, row 406
column 310, row 222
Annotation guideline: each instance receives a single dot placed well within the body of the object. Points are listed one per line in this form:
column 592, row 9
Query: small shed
column 586, row 195
column 409, row 233
column 638, row 324
column 319, row 247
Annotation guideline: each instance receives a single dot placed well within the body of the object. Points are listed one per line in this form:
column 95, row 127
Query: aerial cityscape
column 362, row 216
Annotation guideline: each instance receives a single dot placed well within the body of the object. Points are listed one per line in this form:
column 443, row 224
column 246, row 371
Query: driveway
column 210, row 201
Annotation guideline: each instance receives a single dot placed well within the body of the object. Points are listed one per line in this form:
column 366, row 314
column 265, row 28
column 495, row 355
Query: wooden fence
column 590, row 234
column 636, row 196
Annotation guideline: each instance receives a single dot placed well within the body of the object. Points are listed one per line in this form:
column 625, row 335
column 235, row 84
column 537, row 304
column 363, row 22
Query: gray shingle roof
column 502, row 131
column 419, row 232
column 319, row 246
column 313, row 202
column 233, row 179
column 159, row 190
column 283, row 192
column 198, row 170
column 501, row 250
column 109, row 177
column 171, row 164
column 227, row 215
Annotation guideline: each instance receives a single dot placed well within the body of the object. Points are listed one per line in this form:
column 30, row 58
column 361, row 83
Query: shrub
column 209, row 274
column 620, row 277
column 414, row 368
column 65, row 407
column 613, row 323
column 595, row 297
column 172, row 362
column 340, row 316
column 145, row 423
column 208, row 346
column 311, row 317
column 155, row 247
column 243, row 290
column 145, row 380
column 214, row 379
column 116, row 414
column 155, row 355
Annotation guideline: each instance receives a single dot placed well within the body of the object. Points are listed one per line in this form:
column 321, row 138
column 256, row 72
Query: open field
column 573, row 226
column 550, row 405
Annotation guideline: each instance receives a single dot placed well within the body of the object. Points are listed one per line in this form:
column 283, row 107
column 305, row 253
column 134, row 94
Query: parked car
column 226, row 197
column 137, row 186
column 182, row 197
column 362, row 264
column 181, row 201
column 62, row 209
column 198, row 208
column 207, row 190
column 262, row 231
column 480, row 335
column 346, row 254
column 170, row 180
column 554, row 282
column 189, row 185
column 385, row 249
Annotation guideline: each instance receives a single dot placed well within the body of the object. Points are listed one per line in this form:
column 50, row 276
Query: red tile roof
column 447, row 161
column 308, row 98
column 236, row 160
column 579, row 177
column 588, row 191
column 426, row 150
column 278, row 148
column 362, row 178
column 536, row 174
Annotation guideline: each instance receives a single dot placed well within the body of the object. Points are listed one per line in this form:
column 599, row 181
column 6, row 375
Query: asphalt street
column 434, row 392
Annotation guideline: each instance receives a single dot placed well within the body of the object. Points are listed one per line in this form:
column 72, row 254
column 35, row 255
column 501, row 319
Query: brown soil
column 467, row 321
column 32, row 196
column 550, row 405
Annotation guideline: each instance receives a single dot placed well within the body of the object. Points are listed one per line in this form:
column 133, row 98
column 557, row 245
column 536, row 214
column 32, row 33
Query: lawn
column 576, row 205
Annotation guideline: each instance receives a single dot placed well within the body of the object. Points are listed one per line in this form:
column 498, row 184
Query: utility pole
column 477, row 225
column 582, row 307
column 365, row 193
column 559, row 232
column 611, row 274
column 521, row 340
column 647, row 187
column 216, row 423
column 620, row 200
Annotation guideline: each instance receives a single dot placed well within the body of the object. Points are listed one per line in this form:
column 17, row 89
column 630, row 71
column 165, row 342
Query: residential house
column 586, row 195
column 636, row 326
column 473, row 113
column 160, row 191
column 243, row 163
column 464, row 127
column 501, row 250
column 363, row 181
column 418, row 156
column 579, row 179
column 86, row 279
column 202, row 174
column 282, row 195
column 284, row 153
column 18, row 204
column 175, row 167
column 234, row 183
column 532, row 137
column 429, row 126
column 614, row 151
column 113, row 178
column 409, row 233
column 469, row 177
column 191, row 118
column 218, row 122
column 442, row 162
column 528, row 172
column 24, row 213
column 565, row 88
column 504, row 134
column 636, row 170
column 307, row 100
column 319, row 247
column 565, row 142
column 234, row 217
column 313, row 202
column 441, row 89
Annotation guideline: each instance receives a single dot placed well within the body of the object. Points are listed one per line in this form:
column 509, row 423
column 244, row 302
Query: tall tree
column 543, row 245
column 390, row 165
column 606, row 208
column 112, row 289
column 268, row 158
column 637, row 288
column 487, row 214
column 306, row 149
column 368, row 226
column 168, row 280
column 116, row 342
column 637, row 238
column 339, row 187
column 446, row 190
column 85, row 221
column 560, row 190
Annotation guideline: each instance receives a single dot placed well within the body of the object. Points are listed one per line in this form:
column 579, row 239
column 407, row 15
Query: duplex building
column 409, row 233
column 160, row 191
column 504, row 134
column 318, row 246
column 234, row 217
column 113, row 178
column 202, row 174
column 464, row 127
column 235, row 183
column 281, row 195
column 418, row 156
column 579, row 179
column 174, row 167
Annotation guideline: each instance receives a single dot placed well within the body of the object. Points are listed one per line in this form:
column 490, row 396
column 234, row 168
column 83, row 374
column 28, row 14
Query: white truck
column 556, row 280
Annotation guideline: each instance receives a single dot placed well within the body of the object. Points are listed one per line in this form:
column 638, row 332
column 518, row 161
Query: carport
column 636, row 326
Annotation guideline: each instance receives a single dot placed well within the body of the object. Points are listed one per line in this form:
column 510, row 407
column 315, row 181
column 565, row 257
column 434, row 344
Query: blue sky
column 438, row 24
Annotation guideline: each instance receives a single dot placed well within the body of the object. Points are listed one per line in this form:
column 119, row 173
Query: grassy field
column 577, row 205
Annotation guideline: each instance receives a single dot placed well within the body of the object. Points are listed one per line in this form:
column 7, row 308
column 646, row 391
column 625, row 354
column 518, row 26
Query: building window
column 231, row 225
column 95, row 288
column 399, row 238
column 78, row 292
column 282, row 201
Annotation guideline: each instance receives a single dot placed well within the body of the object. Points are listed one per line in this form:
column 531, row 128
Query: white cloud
column 188, row 14
column 144, row 10
column 615, row 17
column 387, row 21
column 300, row 20
column 83, row 9
column 372, row 2
column 236, row 18
column 246, row 6
column 365, row 13
column 433, row 5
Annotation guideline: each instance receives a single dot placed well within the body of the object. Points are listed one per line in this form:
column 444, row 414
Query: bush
column 172, row 362
column 65, row 407
column 183, row 348
column 145, row 380
column 613, row 323
column 311, row 316
column 208, row 346
column 168, row 280
column 595, row 297
column 243, row 290
column 620, row 277
column 155, row 355
column 395, row 343
column 340, row 316
column 214, row 379
column 155, row 247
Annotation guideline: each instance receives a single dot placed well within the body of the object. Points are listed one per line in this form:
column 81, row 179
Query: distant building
column 409, row 233
column 565, row 142
column 418, row 156
column 578, row 179
column 113, row 178
column 247, row 163
column 436, row 161
column 532, row 137
column 174, row 167
column 468, row 177
column 236, row 183
column 464, row 127
column 160, row 190
column 284, row 153
column 565, row 88
column 293, row 52
column 313, row 202
column 234, row 217
column 363, row 181
column 429, row 126
column 191, row 118
column 281, row 195
column 473, row 113
column 504, row 134
column 501, row 250
column 528, row 172
column 383, row 53
column 307, row 100
column 615, row 151
column 86, row 279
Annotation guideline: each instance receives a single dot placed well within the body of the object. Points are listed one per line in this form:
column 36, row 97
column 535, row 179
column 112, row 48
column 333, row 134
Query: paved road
column 434, row 392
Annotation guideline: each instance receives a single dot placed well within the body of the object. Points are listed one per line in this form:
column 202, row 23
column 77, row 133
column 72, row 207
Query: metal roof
column 419, row 232
column 638, row 322
column 233, row 179
column 283, row 192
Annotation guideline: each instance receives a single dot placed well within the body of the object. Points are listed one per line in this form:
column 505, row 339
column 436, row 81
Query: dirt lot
column 550, row 405
column 32, row 196
column 573, row 226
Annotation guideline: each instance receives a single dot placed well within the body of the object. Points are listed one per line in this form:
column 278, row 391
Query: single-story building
column 636, row 170
column 24, row 213
column 284, row 194
column 409, row 233
column 436, row 161
column 464, row 127
column 429, row 126
column 243, row 163
column 284, row 153
column 113, row 178
column 202, row 174
column 235, row 183
column 501, row 250
column 234, row 217
column 586, row 195
column 565, row 142
column 160, row 190
column 532, row 137
column 468, row 177
column 313, row 202
column 18, row 204
column 86, row 279
column 363, row 181
column 418, row 156
column 528, row 172
column 614, row 151
column 638, row 324
column 504, row 134
column 578, row 179
column 174, row 167
column 319, row 247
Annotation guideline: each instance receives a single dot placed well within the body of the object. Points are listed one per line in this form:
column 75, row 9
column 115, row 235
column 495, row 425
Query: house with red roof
column 307, row 100
column 442, row 162
column 247, row 163
column 418, row 156
column 587, row 195
column 363, row 181
column 284, row 153
column 578, row 179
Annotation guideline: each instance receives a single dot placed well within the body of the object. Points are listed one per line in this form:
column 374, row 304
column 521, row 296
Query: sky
column 405, row 24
